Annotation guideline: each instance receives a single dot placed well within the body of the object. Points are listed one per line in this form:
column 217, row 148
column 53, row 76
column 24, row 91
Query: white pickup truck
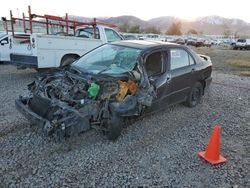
column 49, row 51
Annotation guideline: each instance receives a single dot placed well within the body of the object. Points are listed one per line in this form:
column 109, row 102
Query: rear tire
column 195, row 95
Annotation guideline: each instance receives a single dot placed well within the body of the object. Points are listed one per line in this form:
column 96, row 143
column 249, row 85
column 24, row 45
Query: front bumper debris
column 21, row 105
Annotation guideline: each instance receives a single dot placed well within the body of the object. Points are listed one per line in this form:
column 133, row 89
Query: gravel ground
column 160, row 150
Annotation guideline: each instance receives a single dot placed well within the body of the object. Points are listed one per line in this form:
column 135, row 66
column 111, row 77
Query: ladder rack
column 48, row 21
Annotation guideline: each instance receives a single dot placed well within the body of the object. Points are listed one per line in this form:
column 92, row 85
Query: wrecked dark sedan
column 115, row 82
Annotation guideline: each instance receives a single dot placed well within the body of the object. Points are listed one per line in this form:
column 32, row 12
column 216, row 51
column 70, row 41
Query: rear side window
column 88, row 32
column 180, row 58
column 112, row 35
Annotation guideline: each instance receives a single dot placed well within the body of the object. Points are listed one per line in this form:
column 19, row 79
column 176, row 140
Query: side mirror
column 3, row 42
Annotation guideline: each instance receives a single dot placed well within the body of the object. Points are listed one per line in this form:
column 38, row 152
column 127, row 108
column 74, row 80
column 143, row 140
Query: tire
column 114, row 127
column 67, row 60
column 195, row 95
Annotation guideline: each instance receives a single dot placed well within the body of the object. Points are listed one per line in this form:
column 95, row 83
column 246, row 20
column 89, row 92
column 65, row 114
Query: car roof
column 144, row 44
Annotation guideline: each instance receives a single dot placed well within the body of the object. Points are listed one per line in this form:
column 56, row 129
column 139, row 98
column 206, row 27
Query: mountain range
column 204, row 25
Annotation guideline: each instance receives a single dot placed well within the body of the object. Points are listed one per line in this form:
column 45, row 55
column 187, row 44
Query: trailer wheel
column 69, row 59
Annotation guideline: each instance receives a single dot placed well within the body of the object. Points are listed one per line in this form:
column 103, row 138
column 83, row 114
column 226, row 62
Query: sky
column 143, row 9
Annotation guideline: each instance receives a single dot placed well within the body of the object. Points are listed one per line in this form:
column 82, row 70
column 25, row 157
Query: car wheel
column 195, row 95
column 113, row 127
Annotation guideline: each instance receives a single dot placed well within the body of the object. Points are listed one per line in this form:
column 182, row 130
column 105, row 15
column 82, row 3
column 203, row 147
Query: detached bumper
column 71, row 120
column 21, row 105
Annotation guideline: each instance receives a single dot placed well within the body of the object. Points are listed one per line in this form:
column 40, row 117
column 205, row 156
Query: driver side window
column 154, row 64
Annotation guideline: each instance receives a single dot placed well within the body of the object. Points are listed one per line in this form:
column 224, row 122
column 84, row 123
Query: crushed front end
column 65, row 103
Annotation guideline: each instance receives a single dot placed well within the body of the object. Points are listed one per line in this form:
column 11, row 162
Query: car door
column 156, row 67
column 182, row 74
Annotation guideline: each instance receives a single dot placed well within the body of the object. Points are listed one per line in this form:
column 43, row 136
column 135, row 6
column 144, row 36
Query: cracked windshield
column 109, row 59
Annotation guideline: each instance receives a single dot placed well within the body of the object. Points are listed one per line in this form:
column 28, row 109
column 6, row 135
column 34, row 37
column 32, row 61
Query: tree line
column 174, row 29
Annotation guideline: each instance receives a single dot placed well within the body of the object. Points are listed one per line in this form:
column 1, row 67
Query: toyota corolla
column 115, row 81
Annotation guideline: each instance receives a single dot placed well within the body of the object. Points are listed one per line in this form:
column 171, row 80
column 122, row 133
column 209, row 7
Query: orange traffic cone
column 212, row 153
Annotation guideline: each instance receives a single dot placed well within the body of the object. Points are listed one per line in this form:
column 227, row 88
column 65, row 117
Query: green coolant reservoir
column 93, row 90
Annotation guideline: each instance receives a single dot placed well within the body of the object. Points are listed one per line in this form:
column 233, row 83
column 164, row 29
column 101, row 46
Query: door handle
column 192, row 70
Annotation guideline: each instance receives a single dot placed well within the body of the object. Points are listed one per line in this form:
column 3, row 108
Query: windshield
column 109, row 59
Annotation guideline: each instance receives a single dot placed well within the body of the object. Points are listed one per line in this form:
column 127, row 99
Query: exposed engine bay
column 71, row 103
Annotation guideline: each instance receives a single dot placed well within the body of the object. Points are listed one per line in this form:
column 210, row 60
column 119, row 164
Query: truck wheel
column 67, row 60
column 113, row 127
column 195, row 95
